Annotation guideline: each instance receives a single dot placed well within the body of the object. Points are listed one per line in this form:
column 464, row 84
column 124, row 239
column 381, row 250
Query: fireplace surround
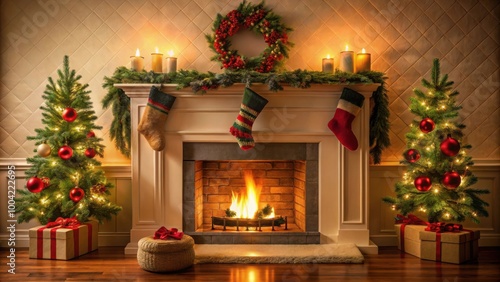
column 292, row 116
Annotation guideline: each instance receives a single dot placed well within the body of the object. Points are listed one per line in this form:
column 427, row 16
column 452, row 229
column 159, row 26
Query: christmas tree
column 65, row 180
column 438, row 179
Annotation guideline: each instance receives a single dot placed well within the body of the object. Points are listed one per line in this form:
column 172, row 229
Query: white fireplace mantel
column 292, row 115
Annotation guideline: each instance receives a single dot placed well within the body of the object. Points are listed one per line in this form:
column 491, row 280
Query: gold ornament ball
column 43, row 150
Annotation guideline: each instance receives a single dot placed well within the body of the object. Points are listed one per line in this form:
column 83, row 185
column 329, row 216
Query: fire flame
column 246, row 204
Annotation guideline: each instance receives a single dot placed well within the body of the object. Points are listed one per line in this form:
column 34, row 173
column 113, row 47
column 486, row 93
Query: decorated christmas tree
column 65, row 180
column 438, row 180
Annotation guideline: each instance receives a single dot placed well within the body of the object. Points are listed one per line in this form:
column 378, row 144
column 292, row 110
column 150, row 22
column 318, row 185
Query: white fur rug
column 326, row 253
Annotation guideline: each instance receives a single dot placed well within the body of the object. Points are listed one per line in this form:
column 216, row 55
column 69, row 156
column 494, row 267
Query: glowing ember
column 246, row 203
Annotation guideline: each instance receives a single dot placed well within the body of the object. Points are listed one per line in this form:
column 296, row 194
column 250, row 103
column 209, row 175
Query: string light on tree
column 436, row 159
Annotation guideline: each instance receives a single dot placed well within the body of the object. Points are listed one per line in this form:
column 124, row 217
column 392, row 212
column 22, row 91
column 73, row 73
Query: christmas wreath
column 258, row 19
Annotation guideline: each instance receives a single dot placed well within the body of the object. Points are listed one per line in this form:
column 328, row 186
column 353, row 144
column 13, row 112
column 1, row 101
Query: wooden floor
column 110, row 264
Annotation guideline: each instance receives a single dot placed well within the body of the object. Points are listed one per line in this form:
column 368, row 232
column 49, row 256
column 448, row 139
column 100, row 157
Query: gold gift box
column 62, row 243
column 456, row 247
column 411, row 238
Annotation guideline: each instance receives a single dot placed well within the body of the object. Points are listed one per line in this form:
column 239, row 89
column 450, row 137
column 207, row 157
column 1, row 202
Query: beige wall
column 402, row 36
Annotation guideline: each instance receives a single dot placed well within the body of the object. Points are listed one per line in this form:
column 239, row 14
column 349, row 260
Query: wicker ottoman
column 165, row 255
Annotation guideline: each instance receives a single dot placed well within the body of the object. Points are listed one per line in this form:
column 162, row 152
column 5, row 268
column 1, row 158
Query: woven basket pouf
column 165, row 255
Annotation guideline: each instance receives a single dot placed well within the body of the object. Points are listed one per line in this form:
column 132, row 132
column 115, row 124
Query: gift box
column 62, row 243
column 409, row 238
column 452, row 247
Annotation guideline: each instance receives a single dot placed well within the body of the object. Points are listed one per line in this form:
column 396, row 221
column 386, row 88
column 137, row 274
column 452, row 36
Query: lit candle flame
column 346, row 47
column 170, row 53
column 156, row 50
column 328, row 56
column 137, row 53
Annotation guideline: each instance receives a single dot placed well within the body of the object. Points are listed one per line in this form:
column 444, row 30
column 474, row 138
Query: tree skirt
column 326, row 253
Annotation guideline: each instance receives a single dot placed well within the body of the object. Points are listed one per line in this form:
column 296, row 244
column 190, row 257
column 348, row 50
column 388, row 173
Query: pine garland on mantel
column 201, row 82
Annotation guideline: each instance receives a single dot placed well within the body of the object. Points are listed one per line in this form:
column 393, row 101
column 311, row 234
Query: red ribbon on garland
column 411, row 219
column 163, row 233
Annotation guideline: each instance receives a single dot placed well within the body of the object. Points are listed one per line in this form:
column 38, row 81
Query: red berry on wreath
column 452, row 179
column 69, row 114
column 427, row 125
column 35, row 185
column 450, row 146
column 65, row 152
column 422, row 183
column 90, row 153
column 76, row 194
column 90, row 134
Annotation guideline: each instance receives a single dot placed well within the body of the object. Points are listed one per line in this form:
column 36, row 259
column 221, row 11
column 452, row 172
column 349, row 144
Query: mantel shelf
column 141, row 90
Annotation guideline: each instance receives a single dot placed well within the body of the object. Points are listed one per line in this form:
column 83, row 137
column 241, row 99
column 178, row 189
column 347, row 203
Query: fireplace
column 286, row 175
column 294, row 122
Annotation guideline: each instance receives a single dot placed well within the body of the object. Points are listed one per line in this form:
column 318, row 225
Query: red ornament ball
column 450, row 146
column 412, row 155
column 90, row 153
column 76, row 194
column 90, row 134
column 427, row 125
column 65, row 152
column 35, row 185
column 423, row 183
column 452, row 179
column 69, row 114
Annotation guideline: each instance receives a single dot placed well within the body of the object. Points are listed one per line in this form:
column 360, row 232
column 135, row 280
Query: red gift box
column 62, row 243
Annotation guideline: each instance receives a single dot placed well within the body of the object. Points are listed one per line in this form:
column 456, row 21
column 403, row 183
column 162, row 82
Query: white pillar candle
column 171, row 62
column 137, row 62
column 327, row 64
column 346, row 60
column 157, row 61
column 363, row 61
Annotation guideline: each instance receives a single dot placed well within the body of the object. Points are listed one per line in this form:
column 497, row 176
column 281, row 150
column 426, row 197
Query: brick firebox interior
column 282, row 182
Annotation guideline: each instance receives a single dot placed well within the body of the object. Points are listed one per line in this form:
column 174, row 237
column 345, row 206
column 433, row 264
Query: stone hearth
column 291, row 116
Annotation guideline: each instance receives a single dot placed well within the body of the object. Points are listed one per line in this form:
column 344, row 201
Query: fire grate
column 249, row 222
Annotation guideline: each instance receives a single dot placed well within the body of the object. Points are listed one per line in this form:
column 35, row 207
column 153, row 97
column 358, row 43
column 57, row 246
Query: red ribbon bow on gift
column 163, row 233
column 411, row 219
column 71, row 223
column 440, row 227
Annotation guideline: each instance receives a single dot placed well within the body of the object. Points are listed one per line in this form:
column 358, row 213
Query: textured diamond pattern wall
column 402, row 35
